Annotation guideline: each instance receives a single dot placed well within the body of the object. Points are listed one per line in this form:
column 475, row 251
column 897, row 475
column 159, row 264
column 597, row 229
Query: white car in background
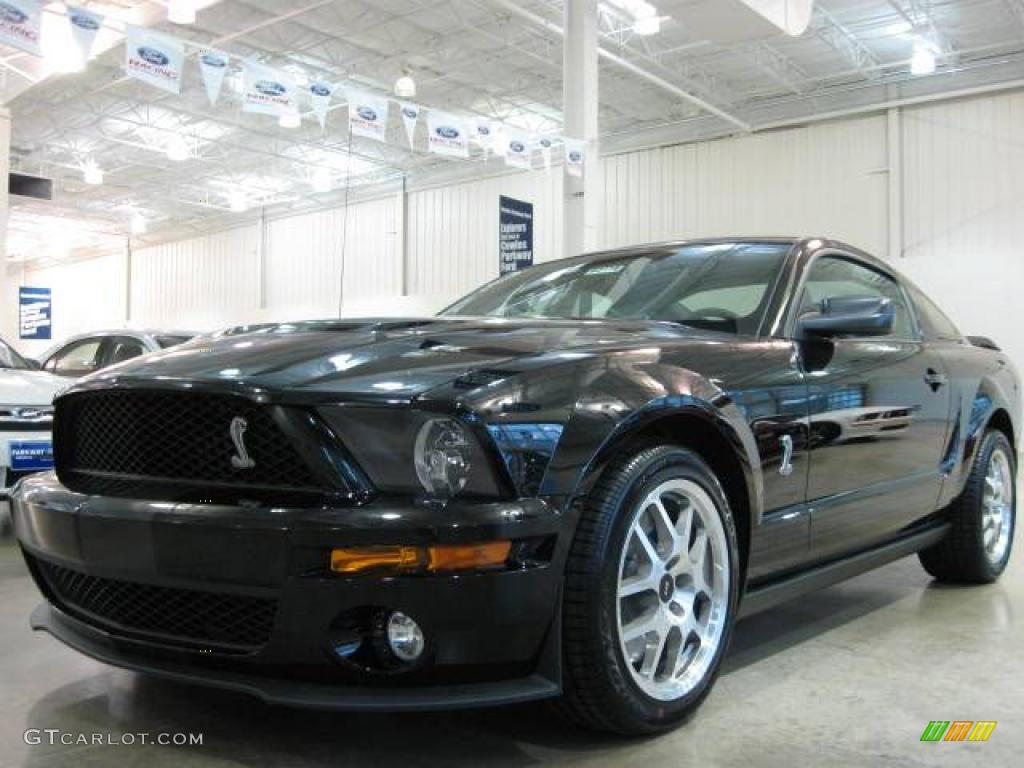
column 26, row 420
column 90, row 352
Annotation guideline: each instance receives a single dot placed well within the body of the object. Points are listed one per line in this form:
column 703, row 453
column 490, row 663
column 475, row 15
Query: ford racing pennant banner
column 410, row 117
column 154, row 58
column 267, row 91
column 367, row 115
column 519, row 150
column 575, row 157
column 544, row 144
column 85, row 25
column 21, row 24
column 214, row 66
column 483, row 133
column 320, row 95
column 446, row 134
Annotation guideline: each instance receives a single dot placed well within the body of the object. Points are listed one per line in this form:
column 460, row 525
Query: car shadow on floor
column 241, row 730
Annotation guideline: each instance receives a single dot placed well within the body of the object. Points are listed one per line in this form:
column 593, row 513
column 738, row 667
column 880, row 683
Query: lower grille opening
column 195, row 619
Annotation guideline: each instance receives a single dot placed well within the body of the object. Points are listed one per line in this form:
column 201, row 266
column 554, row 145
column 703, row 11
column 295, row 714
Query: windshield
column 717, row 286
column 11, row 359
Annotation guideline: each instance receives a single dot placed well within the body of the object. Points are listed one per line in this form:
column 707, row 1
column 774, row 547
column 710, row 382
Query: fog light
column 405, row 638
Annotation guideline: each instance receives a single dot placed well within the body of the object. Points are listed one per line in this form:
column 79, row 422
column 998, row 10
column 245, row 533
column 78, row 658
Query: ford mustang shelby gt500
column 567, row 485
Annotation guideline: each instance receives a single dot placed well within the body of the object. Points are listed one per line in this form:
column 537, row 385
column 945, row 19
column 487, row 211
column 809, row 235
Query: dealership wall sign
column 153, row 58
column 515, row 239
column 35, row 307
column 21, row 24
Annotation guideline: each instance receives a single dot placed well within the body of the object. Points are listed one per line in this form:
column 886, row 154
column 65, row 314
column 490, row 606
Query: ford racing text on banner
column 447, row 134
column 21, row 24
column 367, row 115
column 154, row 58
column 35, row 313
column 267, row 91
column 515, row 239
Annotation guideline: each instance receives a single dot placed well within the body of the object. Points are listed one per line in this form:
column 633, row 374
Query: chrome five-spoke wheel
column 673, row 589
column 997, row 507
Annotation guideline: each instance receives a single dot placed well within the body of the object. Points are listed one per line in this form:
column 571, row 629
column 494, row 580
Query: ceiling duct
column 730, row 21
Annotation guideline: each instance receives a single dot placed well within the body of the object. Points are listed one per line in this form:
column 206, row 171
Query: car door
column 77, row 359
column 878, row 414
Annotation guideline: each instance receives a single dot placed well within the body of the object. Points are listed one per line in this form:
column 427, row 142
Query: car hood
column 388, row 358
column 19, row 387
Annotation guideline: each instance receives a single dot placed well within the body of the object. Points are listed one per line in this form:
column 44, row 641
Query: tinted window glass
column 836, row 278
column 719, row 286
column 123, row 348
column 933, row 320
column 11, row 359
column 78, row 359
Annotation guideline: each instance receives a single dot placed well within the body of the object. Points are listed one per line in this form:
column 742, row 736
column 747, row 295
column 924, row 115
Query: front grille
column 179, row 447
column 199, row 619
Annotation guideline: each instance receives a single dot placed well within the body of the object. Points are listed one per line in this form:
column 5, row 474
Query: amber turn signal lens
column 465, row 557
column 359, row 559
column 402, row 559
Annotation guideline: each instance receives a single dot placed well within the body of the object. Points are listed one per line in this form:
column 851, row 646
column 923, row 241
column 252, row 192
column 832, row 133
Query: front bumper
column 492, row 636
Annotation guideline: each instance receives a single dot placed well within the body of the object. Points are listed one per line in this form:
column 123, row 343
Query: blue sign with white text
column 32, row 456
column 36, row 313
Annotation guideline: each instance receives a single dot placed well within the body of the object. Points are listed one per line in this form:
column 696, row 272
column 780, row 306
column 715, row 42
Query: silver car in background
column 89, row 352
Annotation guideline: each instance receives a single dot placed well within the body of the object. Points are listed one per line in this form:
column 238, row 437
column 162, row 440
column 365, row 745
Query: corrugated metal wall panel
column 200, row 283
column 824, row 179
column 453, row 231
column 964, row 219
column 304, row 259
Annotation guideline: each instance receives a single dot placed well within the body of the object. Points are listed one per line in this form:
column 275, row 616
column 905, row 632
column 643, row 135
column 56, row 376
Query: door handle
column 934, row 379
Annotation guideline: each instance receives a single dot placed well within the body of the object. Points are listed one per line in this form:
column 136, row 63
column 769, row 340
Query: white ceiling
column 488, row 57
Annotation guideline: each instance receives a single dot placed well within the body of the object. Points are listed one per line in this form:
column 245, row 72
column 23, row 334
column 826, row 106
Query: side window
column 123, row 348
column 77, row 360
column 832, row 277
column 934, row 322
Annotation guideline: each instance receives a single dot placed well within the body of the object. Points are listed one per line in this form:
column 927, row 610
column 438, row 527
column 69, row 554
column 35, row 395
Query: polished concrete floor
column 847, row 676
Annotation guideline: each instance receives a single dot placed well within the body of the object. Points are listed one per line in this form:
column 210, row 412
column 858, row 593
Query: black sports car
column 569, row 484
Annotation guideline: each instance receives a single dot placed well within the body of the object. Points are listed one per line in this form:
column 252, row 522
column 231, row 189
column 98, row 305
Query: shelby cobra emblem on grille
column 241, row 459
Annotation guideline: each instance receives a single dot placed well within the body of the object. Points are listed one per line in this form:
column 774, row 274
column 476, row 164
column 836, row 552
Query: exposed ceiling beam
column 847, row 44
column 628, row 66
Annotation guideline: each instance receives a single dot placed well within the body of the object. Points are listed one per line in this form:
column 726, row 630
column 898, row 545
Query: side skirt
column 773, row 593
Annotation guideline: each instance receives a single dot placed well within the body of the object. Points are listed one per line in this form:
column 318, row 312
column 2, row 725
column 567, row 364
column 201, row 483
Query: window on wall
column 834, row 277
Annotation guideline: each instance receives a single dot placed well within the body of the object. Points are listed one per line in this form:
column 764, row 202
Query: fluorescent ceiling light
column 177, row 149
column 238, row 201
column 649, row 25
column 138, row 224
column 405, row 87
column 92, row 173
column 322, row 180
column 923, row 60
column 181, row 11
column 290, row 119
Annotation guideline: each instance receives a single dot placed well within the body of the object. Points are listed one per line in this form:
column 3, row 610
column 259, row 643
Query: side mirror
column 849, row 316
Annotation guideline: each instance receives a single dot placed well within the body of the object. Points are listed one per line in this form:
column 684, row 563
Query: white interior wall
column 963, row 200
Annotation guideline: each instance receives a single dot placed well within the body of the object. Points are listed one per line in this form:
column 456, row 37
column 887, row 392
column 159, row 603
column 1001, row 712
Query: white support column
column 895, row 151
column 583, row 197
column 8, row 278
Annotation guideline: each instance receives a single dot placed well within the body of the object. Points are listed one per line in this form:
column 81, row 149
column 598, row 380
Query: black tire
column 599, row 691
column 961, row 556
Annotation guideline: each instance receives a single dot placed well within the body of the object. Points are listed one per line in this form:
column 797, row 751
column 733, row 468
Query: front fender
column 630, row 394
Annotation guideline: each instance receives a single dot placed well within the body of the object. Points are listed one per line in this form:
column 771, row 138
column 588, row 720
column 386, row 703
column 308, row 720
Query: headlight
column 442, row 457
